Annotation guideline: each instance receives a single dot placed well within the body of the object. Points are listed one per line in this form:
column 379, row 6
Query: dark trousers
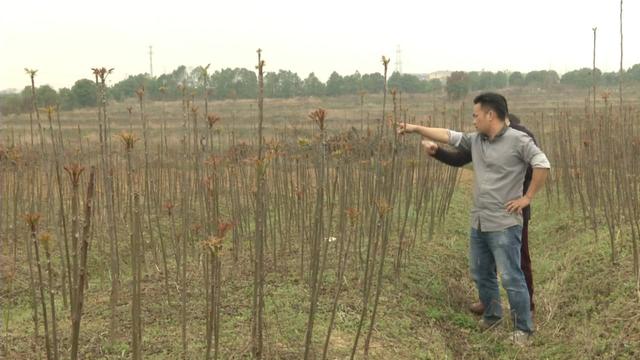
column 525, row 261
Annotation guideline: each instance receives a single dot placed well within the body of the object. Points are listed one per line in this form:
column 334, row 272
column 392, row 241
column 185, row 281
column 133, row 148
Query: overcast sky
column 63, row 39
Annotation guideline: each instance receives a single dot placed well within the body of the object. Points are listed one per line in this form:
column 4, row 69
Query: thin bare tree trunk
column 258, row 277
column 79, row 296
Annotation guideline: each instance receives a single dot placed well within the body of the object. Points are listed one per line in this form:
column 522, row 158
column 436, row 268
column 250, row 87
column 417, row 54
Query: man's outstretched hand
column 404, row 128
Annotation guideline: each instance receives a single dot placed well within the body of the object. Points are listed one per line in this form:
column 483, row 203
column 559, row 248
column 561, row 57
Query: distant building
column 438, row 75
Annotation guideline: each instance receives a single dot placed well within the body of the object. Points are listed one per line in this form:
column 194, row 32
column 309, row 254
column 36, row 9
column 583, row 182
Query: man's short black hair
column 493, row 101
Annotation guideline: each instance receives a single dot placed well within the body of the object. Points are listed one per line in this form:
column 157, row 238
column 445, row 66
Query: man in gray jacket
column 500, row 156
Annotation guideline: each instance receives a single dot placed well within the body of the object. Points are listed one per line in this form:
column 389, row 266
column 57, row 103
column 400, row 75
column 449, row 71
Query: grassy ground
column 587, row 307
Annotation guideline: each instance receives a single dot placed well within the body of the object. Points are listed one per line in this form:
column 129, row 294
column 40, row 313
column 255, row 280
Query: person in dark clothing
column 458, row 157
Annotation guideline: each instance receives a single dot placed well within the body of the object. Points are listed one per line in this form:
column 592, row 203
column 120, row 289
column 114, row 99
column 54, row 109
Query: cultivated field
column 170, row 230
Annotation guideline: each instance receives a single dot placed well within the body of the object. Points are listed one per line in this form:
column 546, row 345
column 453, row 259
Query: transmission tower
column 398, row 59
column 150, row 60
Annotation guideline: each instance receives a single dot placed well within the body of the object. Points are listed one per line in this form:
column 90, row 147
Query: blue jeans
column 500, row 249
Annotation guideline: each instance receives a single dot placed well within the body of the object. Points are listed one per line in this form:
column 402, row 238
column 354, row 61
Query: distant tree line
column 241, row 83
column 460, row 83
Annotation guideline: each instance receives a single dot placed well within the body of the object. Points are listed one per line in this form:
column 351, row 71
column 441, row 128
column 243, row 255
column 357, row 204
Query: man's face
column 480, row 119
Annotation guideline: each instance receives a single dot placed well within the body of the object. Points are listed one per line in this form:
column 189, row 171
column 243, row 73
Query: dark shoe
column 477, row 308
column 485, row 325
